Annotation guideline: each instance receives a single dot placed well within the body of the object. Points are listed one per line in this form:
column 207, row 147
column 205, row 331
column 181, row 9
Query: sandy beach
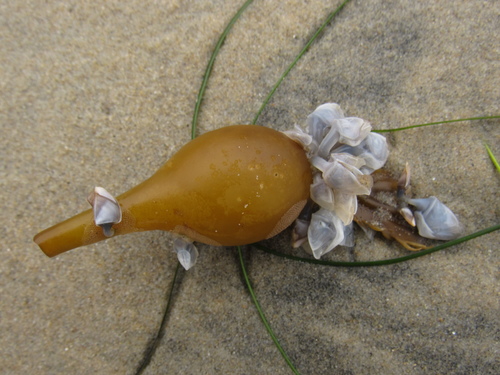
column 103, row 93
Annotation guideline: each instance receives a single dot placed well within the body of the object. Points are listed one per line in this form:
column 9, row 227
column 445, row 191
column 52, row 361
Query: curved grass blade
column 210, row 66
column 254, row 121
column 383, row 262
column 148, row 355
column 262, row 316
column 206, row 76
column 299, row 56
column 154, row 344
column 436, row 123
column 492, row 157
column 347, row 264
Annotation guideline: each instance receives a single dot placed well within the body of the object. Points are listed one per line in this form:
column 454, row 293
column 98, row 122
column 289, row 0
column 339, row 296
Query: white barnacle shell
column 106, row 209
column 187, row 253
column 319, row 122
column 299, row 233
column 346, row 205
column 434, row 219
column 353, row 130
column 350, row 131
column 321, row 193
column 300, row 136
column 341, row 175
column 373, row 150
column 325, row 232
column 328, row 142
column 408, row 216
column 347, row 158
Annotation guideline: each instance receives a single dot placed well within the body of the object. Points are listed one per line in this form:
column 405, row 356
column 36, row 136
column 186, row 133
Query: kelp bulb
column 232, row 186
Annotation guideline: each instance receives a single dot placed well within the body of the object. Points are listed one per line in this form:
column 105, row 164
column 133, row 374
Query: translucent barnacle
column 322, row 193
column 106, row 209
column 345, row 156
column 325, row 232
column 373, row 150
column 187, row 253
column 343, row 153
column 434, row 219
column 340, row 173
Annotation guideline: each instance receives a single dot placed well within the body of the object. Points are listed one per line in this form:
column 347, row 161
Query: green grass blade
column 210, row 66
column 299, row 56
column 383, row 262
column 492, row 157
column 262, row 316
column 254, row 121
column 148, row 355
column 199, row 100
column 436, row 123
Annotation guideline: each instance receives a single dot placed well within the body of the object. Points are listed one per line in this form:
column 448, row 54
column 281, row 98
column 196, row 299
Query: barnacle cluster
column 344, row 153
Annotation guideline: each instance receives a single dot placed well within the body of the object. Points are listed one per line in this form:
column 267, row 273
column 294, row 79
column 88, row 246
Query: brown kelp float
column 232, row 186
column 242, row 184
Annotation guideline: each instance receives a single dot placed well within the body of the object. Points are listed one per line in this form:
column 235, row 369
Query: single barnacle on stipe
column 432, row 218
column 106, row 209
column 187, row 253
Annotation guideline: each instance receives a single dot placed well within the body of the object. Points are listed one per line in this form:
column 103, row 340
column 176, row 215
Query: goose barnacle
column 106, row 209
column 344, row 155
column 434, row 219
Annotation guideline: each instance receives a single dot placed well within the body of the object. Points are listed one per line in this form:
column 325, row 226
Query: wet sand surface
column 103, row 93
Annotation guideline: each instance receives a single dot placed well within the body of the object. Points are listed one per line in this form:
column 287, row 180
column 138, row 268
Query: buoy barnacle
column 344, row 154
column 106, row 209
